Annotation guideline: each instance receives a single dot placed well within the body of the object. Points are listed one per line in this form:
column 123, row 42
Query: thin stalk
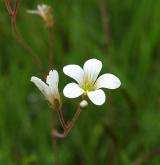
column 75, row 117
column 10, row 11
column 60, row 115
column 26, row 46
column 15, row 8
column 13, row 15
column 54, row 141
column 69, row 126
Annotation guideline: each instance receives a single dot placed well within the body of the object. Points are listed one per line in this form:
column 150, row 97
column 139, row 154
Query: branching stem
column 13, row 15
column 69, row 126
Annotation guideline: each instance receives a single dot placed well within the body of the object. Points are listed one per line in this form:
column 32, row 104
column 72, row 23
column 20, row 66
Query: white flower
column 50, row 88
column 41, row 10
column 88, row 83
column 45, row 12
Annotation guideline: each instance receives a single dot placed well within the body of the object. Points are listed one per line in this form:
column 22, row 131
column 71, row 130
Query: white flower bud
column 83, row 104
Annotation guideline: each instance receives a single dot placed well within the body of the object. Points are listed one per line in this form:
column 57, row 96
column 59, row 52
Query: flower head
column 45, row 12
column 88, row 82
column 50, row 88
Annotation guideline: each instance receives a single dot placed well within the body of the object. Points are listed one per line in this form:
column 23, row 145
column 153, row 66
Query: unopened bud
column 83, row 104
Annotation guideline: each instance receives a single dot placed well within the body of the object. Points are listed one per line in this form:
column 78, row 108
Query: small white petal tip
column 33, row 79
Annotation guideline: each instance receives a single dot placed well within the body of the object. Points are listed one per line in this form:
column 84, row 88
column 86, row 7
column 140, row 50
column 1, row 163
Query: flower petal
column 75, row 72
column 41, row 85
column 108, row 81
column 33, row 12
column 92, row 69
column 72, row 90
column 42, row 7
column 97, row 97
column 52, row 80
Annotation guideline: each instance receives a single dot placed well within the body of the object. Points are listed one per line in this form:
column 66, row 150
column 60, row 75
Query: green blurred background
column 124, row 131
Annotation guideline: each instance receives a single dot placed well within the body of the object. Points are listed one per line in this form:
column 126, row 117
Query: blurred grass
column 116, row 133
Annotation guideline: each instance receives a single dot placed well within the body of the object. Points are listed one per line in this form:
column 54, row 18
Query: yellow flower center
column 88, row 85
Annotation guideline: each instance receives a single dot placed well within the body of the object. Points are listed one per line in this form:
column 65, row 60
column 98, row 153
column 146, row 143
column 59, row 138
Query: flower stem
column 26, row 46
column 10, row 11
column 60, row 115
column 69, row 126
column 13, row 14
column 75, row 117
column 54, row 141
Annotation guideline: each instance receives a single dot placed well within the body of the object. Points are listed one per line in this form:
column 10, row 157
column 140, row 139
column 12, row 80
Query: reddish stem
column 26, row 46
column 69, row 126
column 16, row 5
column 13, row 14
column 9, row 7
column 75, row 117
column 60, row 115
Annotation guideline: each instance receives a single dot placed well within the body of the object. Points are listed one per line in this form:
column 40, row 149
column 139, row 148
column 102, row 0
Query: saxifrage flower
column 45, row 13
column 50, row 88
column 88, row 82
